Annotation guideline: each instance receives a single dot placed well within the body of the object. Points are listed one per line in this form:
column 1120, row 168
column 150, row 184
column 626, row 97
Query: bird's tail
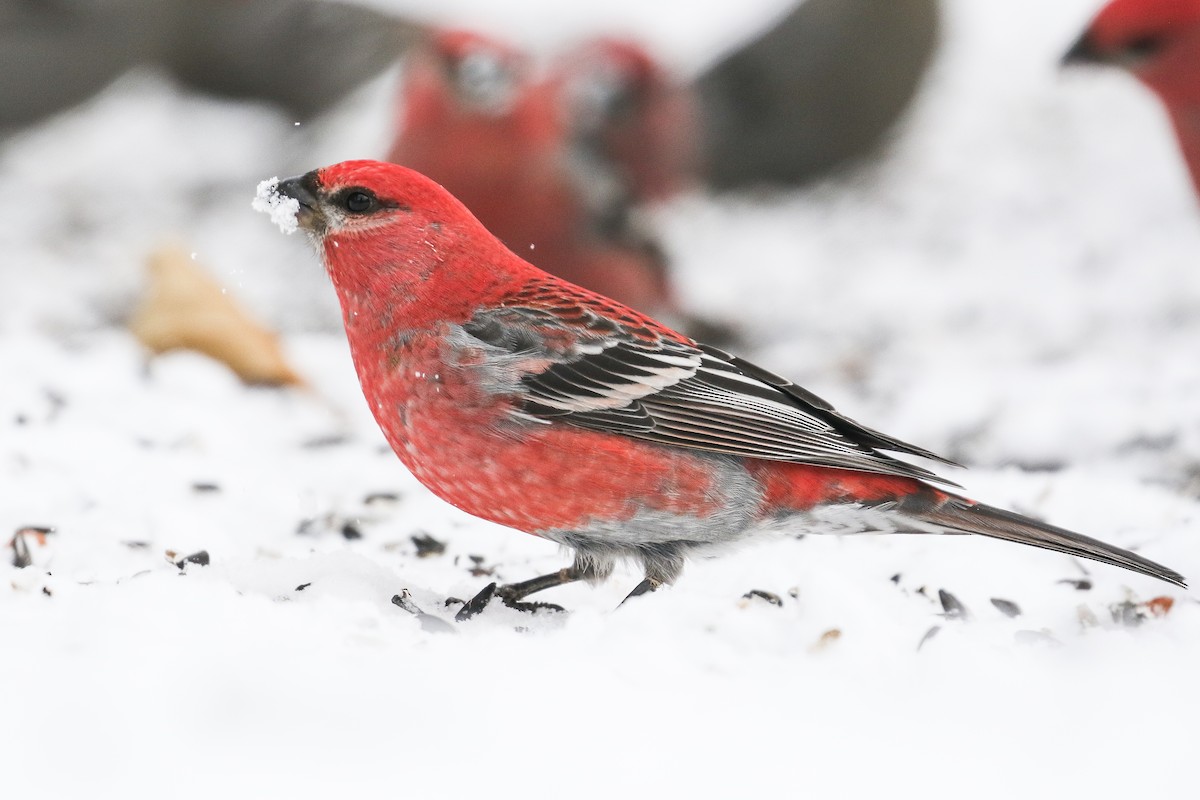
column 961, row 515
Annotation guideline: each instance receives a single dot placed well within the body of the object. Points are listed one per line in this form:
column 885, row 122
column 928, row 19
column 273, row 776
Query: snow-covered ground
column 1016, row 287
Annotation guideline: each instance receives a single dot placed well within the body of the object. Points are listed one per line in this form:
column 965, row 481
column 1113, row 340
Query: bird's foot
column 513, row 594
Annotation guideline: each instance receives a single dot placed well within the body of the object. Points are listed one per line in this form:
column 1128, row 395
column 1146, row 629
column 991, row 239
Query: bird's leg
column 513, row 593
column 662, row 562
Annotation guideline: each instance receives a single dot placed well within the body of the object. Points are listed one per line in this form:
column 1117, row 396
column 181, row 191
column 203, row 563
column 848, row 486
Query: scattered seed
column 303, row 586
column 351, row 531
column 200, row 558
column 1127, row 613
column 1080, row 584
column 952, row 606
column 202, row 487
column 478, row 570
column 1007, row 607
column 136, row 545
column 895, row 579
column 21, row 556
column 46, row 591
column 39, row 532
column 761, row 594
column 825, row 640
column 427, row 545
column 381, row 497
column 1160, row 606
column 404, row 600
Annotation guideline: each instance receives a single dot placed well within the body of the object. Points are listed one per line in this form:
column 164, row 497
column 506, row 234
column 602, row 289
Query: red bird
column 528, row 401
column 477, row 120
column 1159, row 42
column 628, row 116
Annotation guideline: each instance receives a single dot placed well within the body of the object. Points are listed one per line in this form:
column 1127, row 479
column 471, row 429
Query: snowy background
column 1014, row 286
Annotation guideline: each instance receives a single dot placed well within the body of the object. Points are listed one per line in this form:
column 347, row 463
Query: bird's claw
column 476, row 604
column 533, row 607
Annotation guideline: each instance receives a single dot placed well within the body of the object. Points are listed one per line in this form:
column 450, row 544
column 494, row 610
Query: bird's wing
column 622, row 373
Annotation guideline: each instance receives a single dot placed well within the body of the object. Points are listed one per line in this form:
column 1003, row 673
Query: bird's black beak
column 304, row 190
column 1083, row 52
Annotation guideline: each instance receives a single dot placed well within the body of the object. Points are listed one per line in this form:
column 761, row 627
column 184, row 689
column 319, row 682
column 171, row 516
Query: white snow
column 1016, row 287
column 281, row 209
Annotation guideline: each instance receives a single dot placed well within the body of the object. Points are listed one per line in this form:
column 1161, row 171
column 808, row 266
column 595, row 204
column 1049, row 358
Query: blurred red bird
column 525, row 400
column 476, row 119
column 630, row 118
column 817, row 91
column 1159, row 42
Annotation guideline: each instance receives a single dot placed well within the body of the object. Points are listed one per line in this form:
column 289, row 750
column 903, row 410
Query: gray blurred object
column 819, row 89
column 301, row 54
column 56, row 53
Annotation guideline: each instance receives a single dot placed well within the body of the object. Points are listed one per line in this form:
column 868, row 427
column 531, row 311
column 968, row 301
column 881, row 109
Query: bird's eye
column 1144, row 47
column 359, row 202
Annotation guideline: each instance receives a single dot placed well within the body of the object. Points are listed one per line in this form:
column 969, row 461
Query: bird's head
column 626, row 107
column 467, row 102
column 1132, row 33
column 463, row 73
column 608, row 80
column 388, row 234
column 358, row 199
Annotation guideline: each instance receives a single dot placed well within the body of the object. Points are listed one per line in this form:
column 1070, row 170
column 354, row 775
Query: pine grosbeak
column 537, row 404
column 477, row 119
column 1159, row 42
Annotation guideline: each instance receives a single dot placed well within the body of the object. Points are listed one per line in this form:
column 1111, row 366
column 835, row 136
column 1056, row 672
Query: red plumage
column 478, row 120
column 529, row 401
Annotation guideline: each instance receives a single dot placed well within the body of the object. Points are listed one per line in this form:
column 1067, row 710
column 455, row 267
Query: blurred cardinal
column 475, row 118
column 526, row 400
column 1159, row 42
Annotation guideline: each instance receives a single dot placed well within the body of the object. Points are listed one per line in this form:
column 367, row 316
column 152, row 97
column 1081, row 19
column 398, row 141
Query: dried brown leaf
column 184, row 308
